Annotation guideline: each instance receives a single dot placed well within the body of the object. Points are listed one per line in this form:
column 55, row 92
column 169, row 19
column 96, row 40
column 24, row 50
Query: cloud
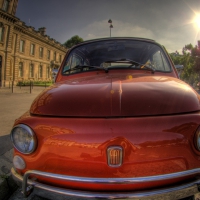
column 100, row 29
column 172, row 37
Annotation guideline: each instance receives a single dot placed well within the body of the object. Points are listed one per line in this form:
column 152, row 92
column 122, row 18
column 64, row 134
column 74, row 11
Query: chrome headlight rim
column 30, row 131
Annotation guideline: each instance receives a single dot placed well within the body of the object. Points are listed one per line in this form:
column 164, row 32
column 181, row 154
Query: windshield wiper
column 142, row 66
column 133, row 63
column 152, row 69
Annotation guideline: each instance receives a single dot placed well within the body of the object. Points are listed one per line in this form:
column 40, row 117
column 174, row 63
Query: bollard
column 12, row 85
column 30, row 87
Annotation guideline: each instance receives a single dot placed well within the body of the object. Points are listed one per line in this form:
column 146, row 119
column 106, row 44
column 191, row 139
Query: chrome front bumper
column 176, row 192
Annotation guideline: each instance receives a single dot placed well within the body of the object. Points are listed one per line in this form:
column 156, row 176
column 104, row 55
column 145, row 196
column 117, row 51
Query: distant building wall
column 25, row 54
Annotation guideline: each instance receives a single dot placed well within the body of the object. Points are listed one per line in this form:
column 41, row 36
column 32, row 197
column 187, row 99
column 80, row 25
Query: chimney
column 42, row 30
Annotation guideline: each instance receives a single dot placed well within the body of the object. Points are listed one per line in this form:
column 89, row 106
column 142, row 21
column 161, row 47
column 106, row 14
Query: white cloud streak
column 100, row 29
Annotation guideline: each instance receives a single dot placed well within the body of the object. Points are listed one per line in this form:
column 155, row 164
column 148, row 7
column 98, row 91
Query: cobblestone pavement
column 13, row 105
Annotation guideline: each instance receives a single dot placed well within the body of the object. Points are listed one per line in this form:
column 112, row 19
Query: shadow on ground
column 5, row 144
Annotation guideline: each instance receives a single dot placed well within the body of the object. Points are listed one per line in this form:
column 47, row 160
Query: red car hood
column 119, row 95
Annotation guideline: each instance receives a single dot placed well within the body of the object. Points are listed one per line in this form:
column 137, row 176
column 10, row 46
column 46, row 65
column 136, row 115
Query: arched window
column 48, row 54
column 5, row 5
column 31, row 71
column 1, row 32
column 20, row 69
column 32, row 50
column 40, row 71
column 21, row 45
column 48, row 72
column 41, row 52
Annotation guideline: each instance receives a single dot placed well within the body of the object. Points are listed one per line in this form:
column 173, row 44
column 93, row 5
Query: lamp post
column 111, row 26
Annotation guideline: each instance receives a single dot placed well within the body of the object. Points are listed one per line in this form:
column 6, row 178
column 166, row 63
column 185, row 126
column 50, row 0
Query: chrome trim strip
column 55, row 193
column 164, row 177
column 176, row 192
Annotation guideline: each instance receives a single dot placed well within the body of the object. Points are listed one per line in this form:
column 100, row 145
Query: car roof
column 115, row 38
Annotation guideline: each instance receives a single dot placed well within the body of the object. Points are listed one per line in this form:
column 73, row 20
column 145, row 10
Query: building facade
column 25, row 53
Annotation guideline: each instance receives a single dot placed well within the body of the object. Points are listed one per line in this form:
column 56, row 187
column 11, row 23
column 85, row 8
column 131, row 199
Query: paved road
column 13, row 105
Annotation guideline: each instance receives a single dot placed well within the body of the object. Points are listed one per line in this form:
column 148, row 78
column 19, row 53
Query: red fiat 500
column 117, row 124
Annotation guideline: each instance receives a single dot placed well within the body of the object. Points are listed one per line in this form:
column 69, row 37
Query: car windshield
column 120, row 54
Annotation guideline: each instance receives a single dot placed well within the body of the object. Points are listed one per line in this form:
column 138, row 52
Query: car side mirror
column 179, row 69
column 54, row 74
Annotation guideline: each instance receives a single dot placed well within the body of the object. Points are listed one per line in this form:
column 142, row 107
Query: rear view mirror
column 179, row 69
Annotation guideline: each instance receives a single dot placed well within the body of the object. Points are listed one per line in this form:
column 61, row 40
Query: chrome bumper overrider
column 51, row 192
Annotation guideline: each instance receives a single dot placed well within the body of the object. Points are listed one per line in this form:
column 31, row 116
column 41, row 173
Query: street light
column 111, row 26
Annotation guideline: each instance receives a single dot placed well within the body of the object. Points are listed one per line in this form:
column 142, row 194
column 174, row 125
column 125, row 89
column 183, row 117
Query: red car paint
column 152, row 116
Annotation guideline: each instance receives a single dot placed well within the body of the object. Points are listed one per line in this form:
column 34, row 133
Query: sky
column 172, row 23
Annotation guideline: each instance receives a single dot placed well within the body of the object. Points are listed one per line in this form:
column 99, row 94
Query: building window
column 48, row 72
column 5, row 5
column 54, row 56
column 48, row 54
column 40, row 71
column 31, row 70
column 32, row 51
column 1, row 32
column 41, row 52
column 21, row 46
column 20, row 69
column 60, row 58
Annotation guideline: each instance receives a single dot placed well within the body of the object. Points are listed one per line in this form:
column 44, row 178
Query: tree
column 190, row 61
column 73, row 41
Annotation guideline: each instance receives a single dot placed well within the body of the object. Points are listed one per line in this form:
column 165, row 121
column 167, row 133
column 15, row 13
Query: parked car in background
column 117, row 124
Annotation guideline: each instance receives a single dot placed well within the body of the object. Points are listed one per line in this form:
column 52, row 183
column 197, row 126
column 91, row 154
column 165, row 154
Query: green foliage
column 191, row 62
column 187, row 47
column 73, row 41
column 35, row 83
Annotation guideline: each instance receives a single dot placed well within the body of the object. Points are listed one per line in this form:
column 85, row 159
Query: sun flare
column 197, row 21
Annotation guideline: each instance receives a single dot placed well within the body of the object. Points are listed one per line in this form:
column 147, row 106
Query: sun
column 197, row 21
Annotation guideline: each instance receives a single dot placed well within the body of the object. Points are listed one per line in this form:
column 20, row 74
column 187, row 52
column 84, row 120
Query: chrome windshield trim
column 173, row 192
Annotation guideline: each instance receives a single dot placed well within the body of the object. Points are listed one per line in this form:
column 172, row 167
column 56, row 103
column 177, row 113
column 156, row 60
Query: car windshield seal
column 133, row 63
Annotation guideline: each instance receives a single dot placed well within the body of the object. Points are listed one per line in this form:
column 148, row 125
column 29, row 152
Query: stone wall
column 14, row 63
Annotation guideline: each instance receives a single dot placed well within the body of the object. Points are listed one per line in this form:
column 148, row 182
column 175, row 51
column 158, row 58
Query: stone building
column 25, row 54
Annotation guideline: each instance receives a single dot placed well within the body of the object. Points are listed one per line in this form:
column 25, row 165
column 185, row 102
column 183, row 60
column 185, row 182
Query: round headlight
column 197, row 139
column 23, row 138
